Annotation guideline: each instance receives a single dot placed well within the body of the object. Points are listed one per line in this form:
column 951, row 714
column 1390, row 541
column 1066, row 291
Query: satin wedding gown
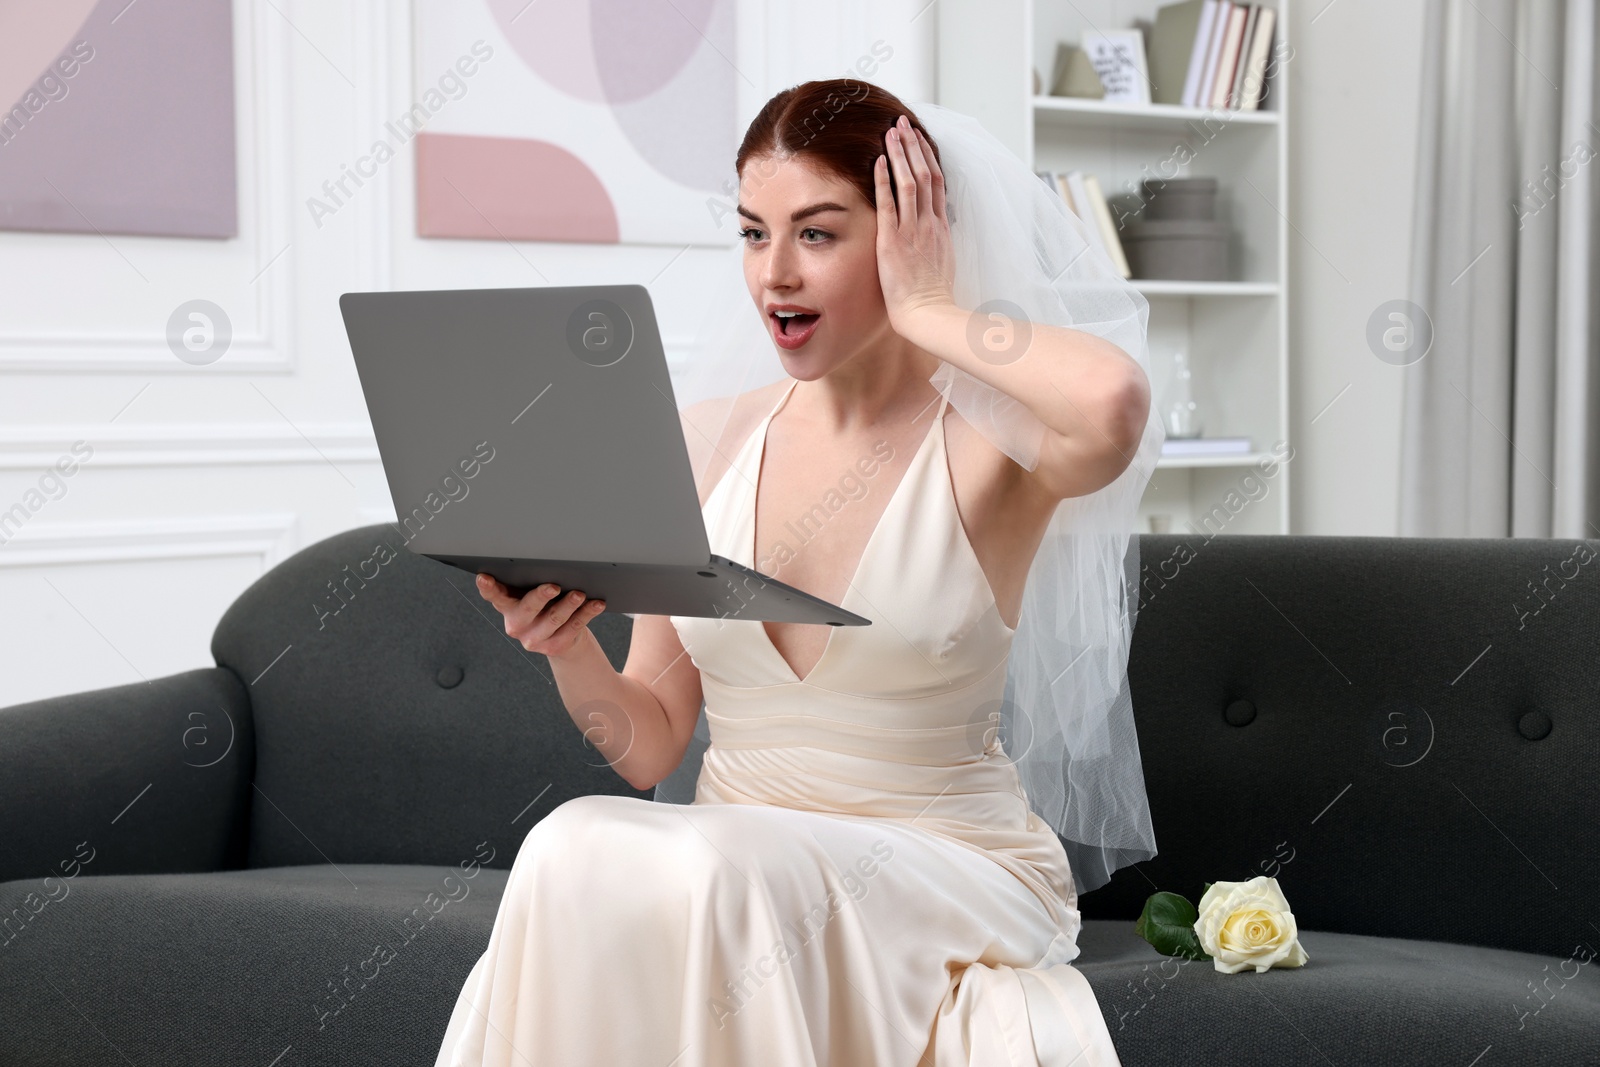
column 859, row 879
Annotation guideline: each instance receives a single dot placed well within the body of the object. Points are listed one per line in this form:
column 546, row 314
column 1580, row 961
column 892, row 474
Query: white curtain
column 1500, row 435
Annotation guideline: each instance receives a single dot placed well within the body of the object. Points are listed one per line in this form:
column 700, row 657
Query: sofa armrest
column 152, row 777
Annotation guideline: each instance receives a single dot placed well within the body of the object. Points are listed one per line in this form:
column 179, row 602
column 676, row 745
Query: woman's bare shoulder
column 746, row 410
column 716, row 428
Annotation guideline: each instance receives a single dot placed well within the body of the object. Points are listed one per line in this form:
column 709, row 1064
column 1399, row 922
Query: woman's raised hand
column 916, row 257
column 550, row 627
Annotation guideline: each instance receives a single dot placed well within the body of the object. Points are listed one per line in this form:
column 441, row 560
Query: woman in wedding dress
column 859, row 879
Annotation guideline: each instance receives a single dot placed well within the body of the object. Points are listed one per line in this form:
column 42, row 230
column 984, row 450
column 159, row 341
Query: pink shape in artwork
column 510, row 188
column 35, row 35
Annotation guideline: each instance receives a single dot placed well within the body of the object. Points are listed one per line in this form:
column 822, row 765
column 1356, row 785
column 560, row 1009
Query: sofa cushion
column 244, row 966
column 395, row 722
column 1357, row 1000
column 1401, row 730
column 354, row 964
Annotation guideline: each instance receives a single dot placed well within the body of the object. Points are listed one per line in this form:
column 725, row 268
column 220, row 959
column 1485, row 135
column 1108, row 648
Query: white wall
column 200, row 478
column 1352, row 157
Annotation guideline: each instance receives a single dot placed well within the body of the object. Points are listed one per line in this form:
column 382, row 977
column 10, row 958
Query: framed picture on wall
column 526, row 134
column 118, row 118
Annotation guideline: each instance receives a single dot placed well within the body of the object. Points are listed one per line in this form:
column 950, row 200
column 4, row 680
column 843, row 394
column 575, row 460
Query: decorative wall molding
column 35, row 447
column 187, row 445
column 376, row 68
column 271, row 536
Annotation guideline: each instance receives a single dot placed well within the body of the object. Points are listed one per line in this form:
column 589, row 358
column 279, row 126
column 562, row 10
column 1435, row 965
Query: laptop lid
column 534, row 422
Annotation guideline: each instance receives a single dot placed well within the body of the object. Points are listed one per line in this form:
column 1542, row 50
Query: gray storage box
column 1180, row 198
column 1186, row 249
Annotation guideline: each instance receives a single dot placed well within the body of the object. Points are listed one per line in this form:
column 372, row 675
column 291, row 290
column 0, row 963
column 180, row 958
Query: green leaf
column 1203, row 889
column 1167, row 922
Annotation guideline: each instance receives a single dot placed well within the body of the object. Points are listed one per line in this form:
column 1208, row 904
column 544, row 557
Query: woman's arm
column 641, row 718
column 1091, row 394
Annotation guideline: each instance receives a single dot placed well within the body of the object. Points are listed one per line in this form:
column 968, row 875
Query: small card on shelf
column 1118, row 57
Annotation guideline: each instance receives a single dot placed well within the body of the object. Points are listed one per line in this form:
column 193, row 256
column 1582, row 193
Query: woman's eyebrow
column 805, row 212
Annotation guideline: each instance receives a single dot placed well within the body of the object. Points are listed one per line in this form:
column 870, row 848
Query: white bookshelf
column 1235, row 332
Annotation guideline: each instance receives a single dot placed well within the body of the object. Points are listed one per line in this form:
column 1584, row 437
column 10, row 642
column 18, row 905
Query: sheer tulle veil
column 1066, row 719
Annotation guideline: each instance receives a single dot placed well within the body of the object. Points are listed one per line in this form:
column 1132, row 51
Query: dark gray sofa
column 295, row 857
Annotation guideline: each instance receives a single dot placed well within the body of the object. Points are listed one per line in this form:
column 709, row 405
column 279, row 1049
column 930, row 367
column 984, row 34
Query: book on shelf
column 1237, row 89
column 1228, row 57
column 1211, row 54
column 1256, row 80
column 1085, row 199
column 1213, row 51
column 1108, row 229
column 1205, row 446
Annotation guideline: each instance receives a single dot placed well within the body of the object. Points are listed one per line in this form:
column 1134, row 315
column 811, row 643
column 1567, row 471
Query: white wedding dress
column 859, row 880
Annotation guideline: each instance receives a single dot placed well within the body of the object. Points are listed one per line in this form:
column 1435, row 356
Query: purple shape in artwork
column 666, row 70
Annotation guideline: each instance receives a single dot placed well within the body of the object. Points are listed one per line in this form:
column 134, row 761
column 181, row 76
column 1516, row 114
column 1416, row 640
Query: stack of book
column 1211, row 54
column 1205, row 446
column 1083, row 195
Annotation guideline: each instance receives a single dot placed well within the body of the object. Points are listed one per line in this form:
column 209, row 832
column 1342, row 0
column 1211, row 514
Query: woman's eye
column 748, row 232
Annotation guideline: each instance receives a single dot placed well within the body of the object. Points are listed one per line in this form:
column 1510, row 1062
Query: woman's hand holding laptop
column 544, row 625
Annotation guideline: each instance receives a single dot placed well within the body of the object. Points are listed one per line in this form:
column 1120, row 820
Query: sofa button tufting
column 448, row 677
column 1240, row 713
column 1534, row 725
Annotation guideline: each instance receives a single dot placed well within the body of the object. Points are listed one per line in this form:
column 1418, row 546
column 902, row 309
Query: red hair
column 839, row 124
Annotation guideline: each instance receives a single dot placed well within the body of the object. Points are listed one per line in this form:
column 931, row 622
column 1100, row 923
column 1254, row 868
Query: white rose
column 1248, row 924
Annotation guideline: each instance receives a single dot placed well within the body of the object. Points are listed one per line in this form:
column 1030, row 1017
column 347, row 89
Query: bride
column 864, row 874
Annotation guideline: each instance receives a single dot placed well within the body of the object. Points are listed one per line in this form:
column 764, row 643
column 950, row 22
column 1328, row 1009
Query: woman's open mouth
column 792, row 330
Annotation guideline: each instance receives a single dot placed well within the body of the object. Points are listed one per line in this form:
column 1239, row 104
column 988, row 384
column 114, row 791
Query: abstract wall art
column 599, row 121
column 119, row 117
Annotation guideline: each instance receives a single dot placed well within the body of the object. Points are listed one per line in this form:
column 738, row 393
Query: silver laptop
column 532, row 434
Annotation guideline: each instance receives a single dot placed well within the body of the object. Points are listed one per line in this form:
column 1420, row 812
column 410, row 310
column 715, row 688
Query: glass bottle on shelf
column 1182, row 415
